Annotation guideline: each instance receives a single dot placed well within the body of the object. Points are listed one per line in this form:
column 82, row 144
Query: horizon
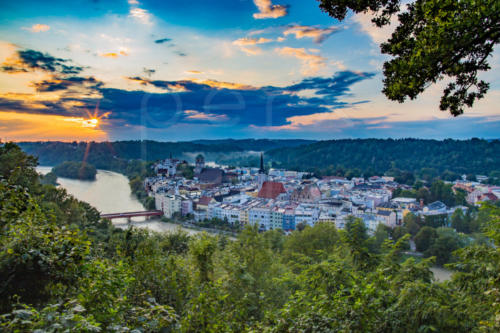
column 142, row 70
column 256, row 139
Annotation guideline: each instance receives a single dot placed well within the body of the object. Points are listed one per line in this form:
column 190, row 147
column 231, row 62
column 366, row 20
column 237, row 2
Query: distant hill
column 378, row 156
column 403, row 158
column 256, row 144
column 104, row 154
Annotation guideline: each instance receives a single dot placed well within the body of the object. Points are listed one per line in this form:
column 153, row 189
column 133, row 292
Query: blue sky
column 173, row 70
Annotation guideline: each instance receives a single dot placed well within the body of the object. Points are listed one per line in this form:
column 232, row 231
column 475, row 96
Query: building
column 260, row 216
column 271, row 190
column 186, row 206
column 387, row 217
column 167, row 167
column 212, row 176
column 435, row 208
column 261, row 176
column 289, row 219
column 203, row 203
column 169, row 204
column 277, row 218
column 307, row 193
column 199, row 164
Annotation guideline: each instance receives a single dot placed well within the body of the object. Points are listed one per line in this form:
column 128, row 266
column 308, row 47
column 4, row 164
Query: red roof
column 204, row 201
column 270, row 190
column 490, row 196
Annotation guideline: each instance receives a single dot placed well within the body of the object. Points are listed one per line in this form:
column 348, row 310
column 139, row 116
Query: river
column 110, row 193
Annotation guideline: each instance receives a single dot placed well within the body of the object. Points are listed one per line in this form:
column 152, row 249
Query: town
column 289, row 200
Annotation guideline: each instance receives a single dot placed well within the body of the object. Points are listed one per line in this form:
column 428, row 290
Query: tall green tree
column 434, row 40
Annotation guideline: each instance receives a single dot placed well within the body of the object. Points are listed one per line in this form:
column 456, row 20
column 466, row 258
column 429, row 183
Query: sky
column 183, row 70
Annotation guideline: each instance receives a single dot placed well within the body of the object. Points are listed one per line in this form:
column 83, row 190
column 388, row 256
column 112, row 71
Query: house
column 260, row 216
column 211, row 176
column 186, row 206
column 203, row 203
column 435, row 208
column 487, row 197
column 289, row 219
column 169, row 204
column 473, row 197
column 271, row 190
column 308, row 193
column 387, row 217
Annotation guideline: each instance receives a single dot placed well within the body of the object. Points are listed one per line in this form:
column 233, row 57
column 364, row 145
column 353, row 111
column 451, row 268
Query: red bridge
column 129, row 215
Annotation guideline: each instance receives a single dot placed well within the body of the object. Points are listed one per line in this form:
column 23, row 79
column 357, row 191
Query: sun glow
column 15, row 126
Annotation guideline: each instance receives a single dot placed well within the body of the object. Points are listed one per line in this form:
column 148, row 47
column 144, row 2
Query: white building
column 169, row 204
column 277, row 218
column 260, row 216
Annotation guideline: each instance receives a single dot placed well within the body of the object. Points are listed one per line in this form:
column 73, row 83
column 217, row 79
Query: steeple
column 262, row 170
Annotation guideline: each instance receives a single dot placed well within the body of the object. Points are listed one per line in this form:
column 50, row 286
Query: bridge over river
column 129, row 215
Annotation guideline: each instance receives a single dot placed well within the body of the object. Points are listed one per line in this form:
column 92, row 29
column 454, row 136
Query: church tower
column 199, row 164
column 262, row 176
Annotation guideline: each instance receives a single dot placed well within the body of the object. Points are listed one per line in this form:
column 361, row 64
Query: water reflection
column 110, row 193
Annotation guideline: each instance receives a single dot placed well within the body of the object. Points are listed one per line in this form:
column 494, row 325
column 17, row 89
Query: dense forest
column 406, row 159
column 75, row 170
column 62, row 269
column 423, row 159
column 106, row 155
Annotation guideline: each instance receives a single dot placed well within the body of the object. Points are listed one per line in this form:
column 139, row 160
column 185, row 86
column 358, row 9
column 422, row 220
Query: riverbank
column 191, row 225
column 111, row 193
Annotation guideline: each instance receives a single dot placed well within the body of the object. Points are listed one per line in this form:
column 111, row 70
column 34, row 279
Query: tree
column 444, row 244
column 434, row 41
column 425, row 238
column 458, row 221
column 412, row 223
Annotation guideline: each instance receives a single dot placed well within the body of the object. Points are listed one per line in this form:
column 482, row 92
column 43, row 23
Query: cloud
column 30, row 60
column 268, row 10
column 148, row 71
column 251, row 41
column 39, row 28
column 163, row 40
column 251, row 50
column 203, row 116
column 180, row 53
column 311, row 63
column 319, row 35
column 58, row 84
column 141, row 15
column 248, row 44
column 378, row 35
column 226, row 103
column 194, row 72
column 204, row 101
column 114, row 55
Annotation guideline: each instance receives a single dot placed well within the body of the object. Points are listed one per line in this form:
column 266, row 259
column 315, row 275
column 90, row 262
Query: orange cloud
column 268, row 10
column 317, row 34
column 311, row 63
column 251, row 50
column 39, row 28
column 224, row 85
column 37, row 127
column 251, row 41
column 114, row 55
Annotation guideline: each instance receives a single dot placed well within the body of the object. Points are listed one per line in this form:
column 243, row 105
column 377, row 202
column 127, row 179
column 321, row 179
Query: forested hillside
column 377, row 156
column 104, row 154
column 63, row 269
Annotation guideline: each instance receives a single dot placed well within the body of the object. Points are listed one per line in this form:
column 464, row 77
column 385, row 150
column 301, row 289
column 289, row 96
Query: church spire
column 262, row 170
